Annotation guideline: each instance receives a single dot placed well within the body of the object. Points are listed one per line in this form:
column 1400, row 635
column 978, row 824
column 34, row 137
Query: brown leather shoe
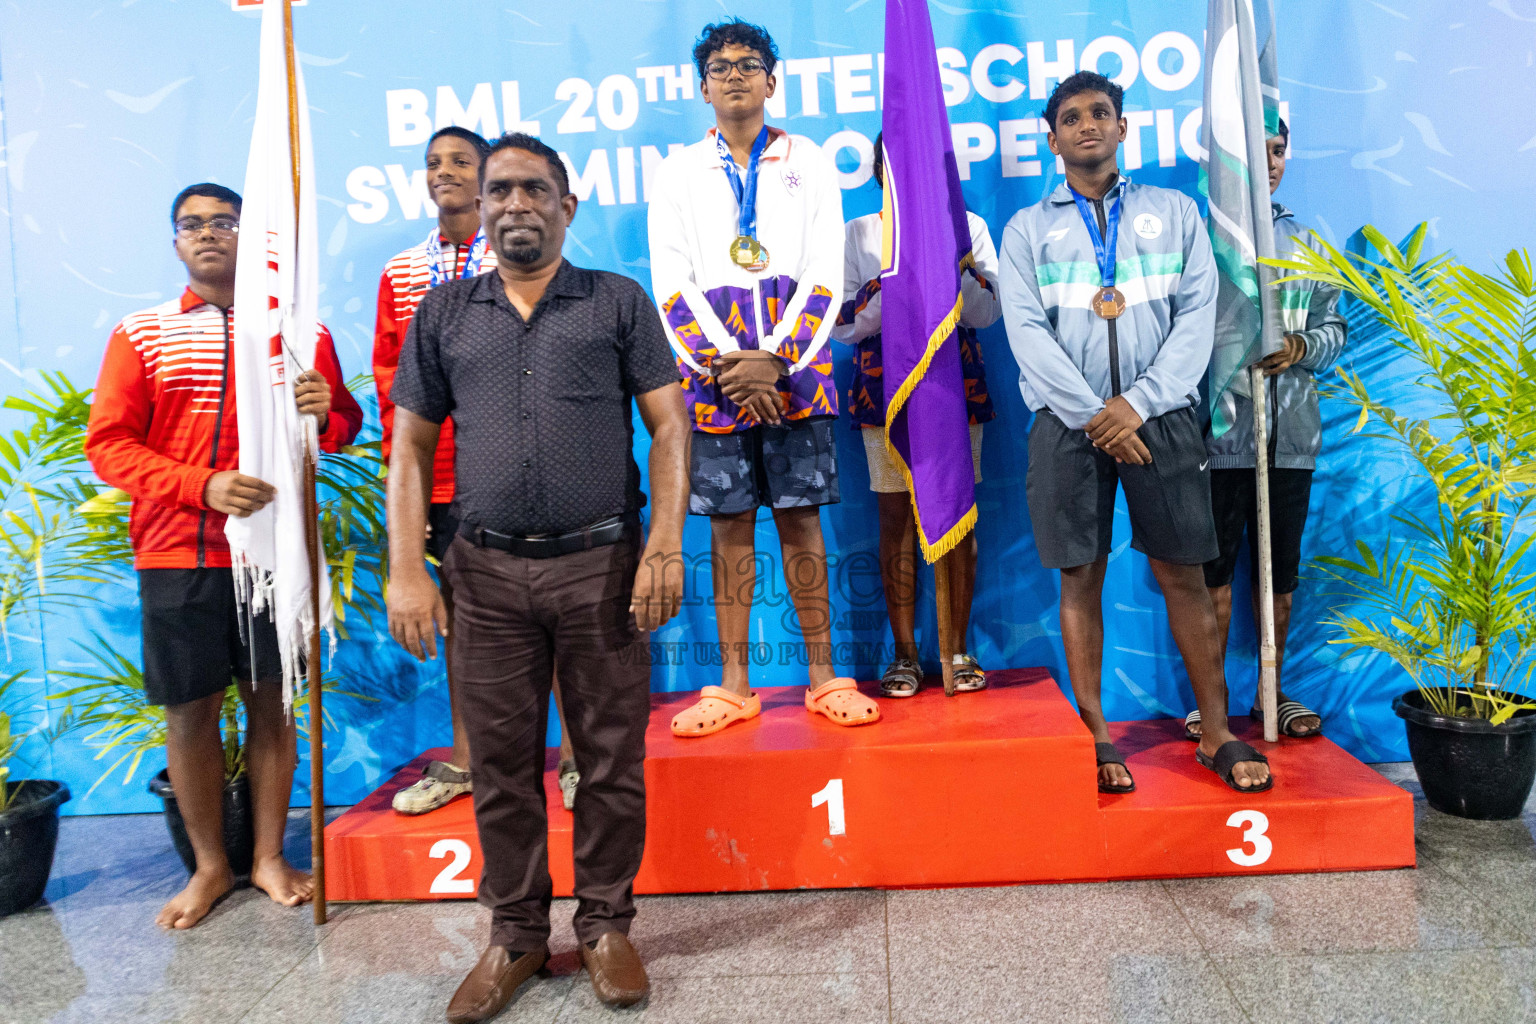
column 489, row 986
column 618, row 976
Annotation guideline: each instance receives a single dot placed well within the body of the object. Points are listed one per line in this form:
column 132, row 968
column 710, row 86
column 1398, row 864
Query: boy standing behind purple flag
column 859, row 324
column 927, row 243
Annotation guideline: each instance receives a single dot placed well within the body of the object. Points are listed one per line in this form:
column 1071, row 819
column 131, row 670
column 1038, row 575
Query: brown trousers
column 513, row 619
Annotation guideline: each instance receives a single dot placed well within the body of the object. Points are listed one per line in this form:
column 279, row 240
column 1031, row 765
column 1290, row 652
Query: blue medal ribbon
column 745, row 191
column 476, row 257
column 1104, row 252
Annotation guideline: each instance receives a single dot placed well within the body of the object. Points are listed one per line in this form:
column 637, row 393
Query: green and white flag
column 1242, row 108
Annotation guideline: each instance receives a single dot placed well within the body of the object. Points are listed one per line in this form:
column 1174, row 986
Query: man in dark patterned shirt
column 538, row 364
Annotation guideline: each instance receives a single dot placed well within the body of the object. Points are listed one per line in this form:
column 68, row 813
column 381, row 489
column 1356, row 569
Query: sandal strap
column 720, row 693
column 835, row 686
column 1286, row 713
column 1232, row 753
column 1108, row 753
column 442, row 771
column 1193, row 718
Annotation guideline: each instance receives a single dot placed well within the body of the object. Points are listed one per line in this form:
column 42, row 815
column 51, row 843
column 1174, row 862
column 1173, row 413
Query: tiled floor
column 1454, row 940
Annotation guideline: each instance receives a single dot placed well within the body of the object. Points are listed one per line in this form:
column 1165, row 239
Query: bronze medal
column 1109, row 303
column 748, row 254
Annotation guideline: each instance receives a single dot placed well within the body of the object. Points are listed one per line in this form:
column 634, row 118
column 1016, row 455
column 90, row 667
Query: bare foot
column 286, row 884
column 192, row 904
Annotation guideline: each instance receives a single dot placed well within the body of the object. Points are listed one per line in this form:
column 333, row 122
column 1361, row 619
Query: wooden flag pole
column 1270, row 341
column 1268, row 662
column 311, row 540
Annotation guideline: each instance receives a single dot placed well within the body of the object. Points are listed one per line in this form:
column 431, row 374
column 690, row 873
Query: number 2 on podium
column 448, row 880
column 832, row 795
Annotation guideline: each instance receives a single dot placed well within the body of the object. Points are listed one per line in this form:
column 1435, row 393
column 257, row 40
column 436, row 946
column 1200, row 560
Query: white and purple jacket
column 711, row 306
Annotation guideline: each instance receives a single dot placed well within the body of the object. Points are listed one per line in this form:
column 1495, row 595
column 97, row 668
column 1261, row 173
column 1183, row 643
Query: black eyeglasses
column 720, row 70
column 222, row 227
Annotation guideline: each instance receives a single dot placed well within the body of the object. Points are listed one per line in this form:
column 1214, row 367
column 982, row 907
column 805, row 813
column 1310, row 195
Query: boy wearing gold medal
column 746, row 239
column 1109, row 297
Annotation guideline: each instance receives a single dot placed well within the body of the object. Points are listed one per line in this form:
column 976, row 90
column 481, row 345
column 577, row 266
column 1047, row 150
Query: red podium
column 981, row 789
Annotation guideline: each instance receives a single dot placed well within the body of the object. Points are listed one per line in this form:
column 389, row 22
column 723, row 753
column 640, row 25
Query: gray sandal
column 903, row 678
column 569, row 779
column 968, row 674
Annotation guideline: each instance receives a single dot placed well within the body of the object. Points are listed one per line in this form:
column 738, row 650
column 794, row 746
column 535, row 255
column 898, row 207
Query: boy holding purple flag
column 1109, row 292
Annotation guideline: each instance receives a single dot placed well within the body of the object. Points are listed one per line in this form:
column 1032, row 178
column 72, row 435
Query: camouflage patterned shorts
column 789, row 466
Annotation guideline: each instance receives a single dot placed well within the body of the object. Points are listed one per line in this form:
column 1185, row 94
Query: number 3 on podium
column 832, row 795
column 1254, row 824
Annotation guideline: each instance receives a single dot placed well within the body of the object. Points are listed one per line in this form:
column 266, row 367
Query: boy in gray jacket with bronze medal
column 1314, row 337
column 1109, row 297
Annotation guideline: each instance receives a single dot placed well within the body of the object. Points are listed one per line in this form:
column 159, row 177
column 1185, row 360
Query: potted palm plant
column 107, row 703
column 29, row 818
column 44, row 566
column 1452, row 599
column 64, row 538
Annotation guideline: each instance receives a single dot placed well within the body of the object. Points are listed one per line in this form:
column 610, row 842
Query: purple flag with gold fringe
column 927, row 246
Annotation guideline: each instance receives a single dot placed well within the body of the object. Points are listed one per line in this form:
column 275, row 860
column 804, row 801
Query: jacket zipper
column 1273, row 398
column 1114, row 340
column 757, row 315
column 218, row 430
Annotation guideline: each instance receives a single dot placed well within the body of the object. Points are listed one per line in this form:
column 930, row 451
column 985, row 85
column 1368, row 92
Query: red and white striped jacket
column 406, row 278
column 163, row 422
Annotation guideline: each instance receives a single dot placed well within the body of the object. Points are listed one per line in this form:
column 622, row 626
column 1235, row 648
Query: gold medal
column 748, row 254
column 1109, row 303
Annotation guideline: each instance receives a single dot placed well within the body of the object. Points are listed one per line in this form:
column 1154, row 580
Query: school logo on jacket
column 1148, row 225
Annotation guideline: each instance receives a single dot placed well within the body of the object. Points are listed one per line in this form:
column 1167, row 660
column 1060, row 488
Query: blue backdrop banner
column 109, row 108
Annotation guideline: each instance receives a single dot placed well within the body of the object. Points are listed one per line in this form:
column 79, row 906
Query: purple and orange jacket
column 858, row 322
column 710, row 306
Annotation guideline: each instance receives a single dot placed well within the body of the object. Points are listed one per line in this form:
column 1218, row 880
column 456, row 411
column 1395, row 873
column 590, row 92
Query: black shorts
column 192, row 643
column 1235, row 504
column 1071, row 490
column 444, row 525
column 793, row 465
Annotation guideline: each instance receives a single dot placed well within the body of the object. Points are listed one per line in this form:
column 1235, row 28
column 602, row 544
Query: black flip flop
column 1108, row 753
column 1193, row 718
column 1228, row 756
column 1287, row 713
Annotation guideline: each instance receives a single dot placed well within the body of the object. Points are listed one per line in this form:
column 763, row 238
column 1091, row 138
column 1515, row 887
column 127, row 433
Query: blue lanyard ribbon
column 746, row 191
column 472, row 262
column 1102, row 250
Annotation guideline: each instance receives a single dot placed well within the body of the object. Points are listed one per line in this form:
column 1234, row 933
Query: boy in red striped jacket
column 454, row 156
column 163, row 428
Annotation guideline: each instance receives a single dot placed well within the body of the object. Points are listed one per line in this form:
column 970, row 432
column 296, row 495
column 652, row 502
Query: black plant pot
column 29, row 833
column 1467, row 766
column 239, row 828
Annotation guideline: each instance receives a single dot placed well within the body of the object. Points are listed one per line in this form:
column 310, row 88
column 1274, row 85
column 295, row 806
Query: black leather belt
column 599, row 534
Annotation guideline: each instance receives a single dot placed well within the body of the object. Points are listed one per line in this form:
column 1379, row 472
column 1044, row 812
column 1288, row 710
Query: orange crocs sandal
column 841, row 701
column 716, row 709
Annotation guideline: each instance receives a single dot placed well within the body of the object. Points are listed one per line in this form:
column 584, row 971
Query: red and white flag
column 277, row 284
